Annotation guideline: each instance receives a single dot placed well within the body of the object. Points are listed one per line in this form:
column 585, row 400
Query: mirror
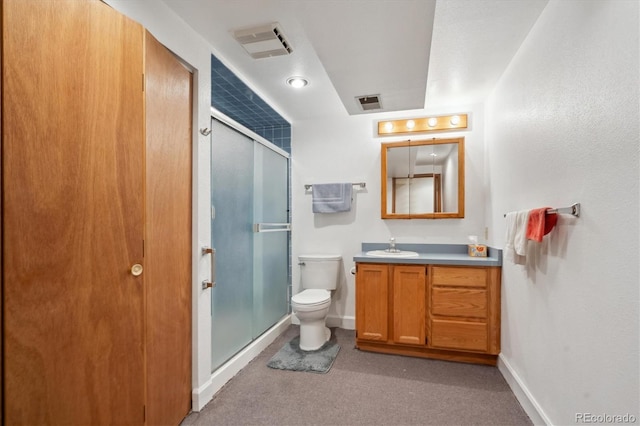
column 423, row 179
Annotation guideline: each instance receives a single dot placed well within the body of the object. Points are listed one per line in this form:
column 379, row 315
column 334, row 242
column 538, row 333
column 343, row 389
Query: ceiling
column 414, row 53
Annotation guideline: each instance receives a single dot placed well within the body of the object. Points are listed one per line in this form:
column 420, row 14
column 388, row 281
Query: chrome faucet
column 392, row 246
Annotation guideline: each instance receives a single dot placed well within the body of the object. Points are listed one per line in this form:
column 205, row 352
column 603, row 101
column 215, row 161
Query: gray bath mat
column 291, row 357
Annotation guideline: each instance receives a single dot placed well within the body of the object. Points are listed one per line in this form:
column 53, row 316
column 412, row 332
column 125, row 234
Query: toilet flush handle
column 301, row 263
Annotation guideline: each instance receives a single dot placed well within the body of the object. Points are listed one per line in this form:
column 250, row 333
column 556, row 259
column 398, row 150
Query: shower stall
column 250, row 237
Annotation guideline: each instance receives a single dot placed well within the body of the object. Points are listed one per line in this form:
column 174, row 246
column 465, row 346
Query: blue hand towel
column 331, row 197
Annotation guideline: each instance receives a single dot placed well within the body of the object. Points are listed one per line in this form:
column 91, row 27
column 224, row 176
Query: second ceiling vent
column 263, row 41
column 369, row 102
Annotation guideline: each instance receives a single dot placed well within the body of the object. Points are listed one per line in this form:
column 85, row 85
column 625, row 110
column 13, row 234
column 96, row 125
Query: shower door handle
column 271, row 227
column 210, row 283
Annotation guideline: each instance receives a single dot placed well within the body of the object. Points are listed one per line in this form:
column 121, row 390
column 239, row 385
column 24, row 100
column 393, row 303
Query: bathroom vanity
column 440, row 304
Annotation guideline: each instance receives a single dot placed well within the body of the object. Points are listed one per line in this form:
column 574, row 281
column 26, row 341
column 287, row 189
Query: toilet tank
column 319, row 270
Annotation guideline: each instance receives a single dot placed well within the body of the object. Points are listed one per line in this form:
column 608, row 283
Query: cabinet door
column 72, row 163
column 372, row 302
column 409, row 304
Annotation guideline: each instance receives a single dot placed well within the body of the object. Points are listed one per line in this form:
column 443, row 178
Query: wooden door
column 372, row 302
column 168, row 235
column 409, row 292
column 72, row 165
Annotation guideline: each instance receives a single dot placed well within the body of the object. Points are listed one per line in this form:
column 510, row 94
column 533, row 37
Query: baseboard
column 347, row 323
column 520, row 390
column 201, row 396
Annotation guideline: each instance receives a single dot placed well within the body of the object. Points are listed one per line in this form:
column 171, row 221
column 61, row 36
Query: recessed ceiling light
column 297, row 82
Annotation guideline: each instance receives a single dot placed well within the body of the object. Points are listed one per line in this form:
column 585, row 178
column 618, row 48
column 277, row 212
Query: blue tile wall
column 236, row 100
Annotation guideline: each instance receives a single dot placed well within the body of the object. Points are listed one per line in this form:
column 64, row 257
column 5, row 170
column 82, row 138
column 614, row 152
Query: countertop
column 431, row 254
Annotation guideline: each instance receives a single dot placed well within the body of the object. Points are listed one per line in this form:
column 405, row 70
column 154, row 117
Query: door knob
column 136, row 270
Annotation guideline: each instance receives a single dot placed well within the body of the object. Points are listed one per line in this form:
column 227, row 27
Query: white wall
column 346, row 149
column 563, row 127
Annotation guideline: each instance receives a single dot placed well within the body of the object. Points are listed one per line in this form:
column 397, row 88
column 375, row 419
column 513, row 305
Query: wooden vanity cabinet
column 431, row 311
column 390, row 303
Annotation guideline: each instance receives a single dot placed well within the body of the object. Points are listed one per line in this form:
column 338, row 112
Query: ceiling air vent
column 369, row 102
column 264, row 41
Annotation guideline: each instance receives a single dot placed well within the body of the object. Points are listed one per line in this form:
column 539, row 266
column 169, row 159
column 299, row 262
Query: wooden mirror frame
column 435, row 215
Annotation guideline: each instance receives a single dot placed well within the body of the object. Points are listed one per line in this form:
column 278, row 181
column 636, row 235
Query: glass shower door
column 271, row 239
column 232, row 238
column 250, row 235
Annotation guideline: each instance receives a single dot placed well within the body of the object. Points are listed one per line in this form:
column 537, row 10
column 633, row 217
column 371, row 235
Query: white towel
column 516, row 235
column 331, row 197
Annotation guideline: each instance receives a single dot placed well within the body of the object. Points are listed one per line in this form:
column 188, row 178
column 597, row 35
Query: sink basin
column 384, row 253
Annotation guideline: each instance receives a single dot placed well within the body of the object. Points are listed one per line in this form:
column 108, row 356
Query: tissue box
column 477, row 250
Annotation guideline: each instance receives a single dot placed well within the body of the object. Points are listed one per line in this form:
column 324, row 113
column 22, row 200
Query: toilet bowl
column 311, row 308
column 319, row 276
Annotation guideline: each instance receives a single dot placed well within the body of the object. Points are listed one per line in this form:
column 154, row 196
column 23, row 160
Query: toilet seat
column 311, row 297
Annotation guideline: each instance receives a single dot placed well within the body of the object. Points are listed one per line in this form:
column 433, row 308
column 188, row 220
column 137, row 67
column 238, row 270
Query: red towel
column 540, row 223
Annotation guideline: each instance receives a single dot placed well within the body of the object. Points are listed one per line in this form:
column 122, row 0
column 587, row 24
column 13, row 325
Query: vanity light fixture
column 297, row 82
column 423, row 125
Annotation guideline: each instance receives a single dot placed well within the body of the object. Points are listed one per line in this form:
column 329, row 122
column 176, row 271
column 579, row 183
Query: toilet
column 319, row 275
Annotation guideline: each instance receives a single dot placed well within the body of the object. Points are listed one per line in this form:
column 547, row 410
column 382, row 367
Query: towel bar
column 573, row 209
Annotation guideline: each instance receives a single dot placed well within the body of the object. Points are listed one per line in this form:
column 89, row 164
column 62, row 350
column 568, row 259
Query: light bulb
column 388, row 126
column 297, row 82
column 455, row 120
column 411, row 124
column 432, row 121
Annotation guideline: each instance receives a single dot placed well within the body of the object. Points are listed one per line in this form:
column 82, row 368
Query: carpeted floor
column 363, row 388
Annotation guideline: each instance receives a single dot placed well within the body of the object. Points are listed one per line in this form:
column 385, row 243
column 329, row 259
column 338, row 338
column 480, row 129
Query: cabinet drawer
column 459, row 302
column 470, row 336
column 459, row 277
